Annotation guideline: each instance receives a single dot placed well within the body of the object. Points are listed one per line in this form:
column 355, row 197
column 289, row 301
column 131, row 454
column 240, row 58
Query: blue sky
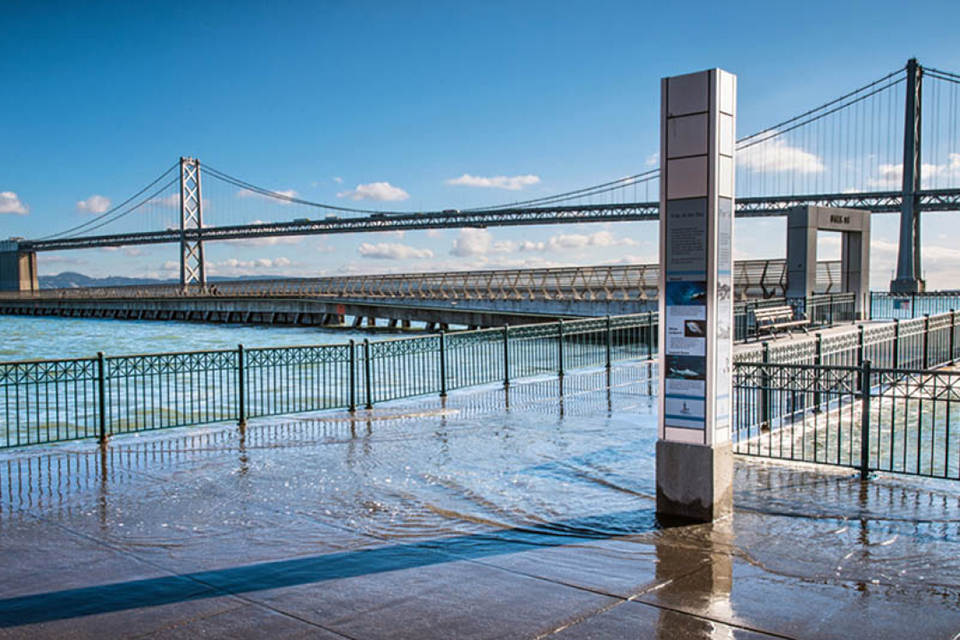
column 333, row 99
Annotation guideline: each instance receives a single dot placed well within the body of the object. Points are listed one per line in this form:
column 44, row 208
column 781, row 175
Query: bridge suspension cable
column 118, row 211
column 845, row 145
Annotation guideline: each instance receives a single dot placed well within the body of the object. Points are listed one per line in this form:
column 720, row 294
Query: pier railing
column 56, row 400
column 871, row 419
column 870, row 399
column 903, row 306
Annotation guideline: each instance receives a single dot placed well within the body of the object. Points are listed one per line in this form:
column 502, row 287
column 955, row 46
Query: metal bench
column 774, row 319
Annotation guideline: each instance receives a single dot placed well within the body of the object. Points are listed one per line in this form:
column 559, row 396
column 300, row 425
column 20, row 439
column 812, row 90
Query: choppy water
column 27, row 338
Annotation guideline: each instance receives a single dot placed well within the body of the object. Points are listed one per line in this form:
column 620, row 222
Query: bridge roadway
column 465, row 298
column 877, row 202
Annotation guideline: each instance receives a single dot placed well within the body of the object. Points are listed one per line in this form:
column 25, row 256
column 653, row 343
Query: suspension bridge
column 889, row 146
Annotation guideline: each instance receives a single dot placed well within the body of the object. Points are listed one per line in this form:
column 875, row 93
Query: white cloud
column 435, row 233
column 890, row 176
column 512, row 183
column 480, row 242
column 172, row 201
column 246, row 193
column 235, row 266
column 10, row 203
column 392, row 251
column 472, row 242
column 94, row 204
column 381, row 191
column 563, row 242
column 777, row 155
column 653, row 159
column 338, row 179
column 265, row 242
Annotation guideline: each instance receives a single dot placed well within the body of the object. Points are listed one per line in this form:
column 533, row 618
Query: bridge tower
column 192, row 267
column 908, row 278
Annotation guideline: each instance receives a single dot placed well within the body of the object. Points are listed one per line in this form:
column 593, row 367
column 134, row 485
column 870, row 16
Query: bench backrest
column 773, row 314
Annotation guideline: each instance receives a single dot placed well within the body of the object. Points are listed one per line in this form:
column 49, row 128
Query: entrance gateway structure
column 803, row 223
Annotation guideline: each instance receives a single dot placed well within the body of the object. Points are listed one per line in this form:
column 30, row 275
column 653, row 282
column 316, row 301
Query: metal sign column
column 697, row 139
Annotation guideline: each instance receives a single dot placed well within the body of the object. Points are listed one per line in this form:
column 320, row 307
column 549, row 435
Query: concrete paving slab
column 449, row 599
column 245, row 621
column 638, row 620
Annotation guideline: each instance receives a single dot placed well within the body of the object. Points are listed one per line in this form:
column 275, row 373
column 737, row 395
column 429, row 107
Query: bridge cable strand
column 638, row 178
column 761, row 136
column 932, row 70
column 135, row 207
column 778, row 132
column 824, row 106
column 114, row 209
column 237, row 182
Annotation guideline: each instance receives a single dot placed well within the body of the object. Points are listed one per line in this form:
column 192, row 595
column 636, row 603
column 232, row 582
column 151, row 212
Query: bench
column 774, row 319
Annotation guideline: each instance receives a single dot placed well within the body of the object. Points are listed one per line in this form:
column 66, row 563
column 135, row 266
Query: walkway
column 523, row 515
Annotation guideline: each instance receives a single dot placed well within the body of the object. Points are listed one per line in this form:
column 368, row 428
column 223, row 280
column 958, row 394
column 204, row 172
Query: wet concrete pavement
column 487, row 515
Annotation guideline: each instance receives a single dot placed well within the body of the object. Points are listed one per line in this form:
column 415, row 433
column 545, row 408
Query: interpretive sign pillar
column 697, row 140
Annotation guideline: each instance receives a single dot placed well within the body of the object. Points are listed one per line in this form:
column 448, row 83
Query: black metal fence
column 894, row 420
column 822, row 310
column 884, row 305
column 56, row 400
column 868, row 398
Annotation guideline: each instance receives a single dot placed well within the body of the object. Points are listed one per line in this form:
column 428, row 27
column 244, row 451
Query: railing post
column 818, row 361
column 241, row 389
column 913, row 305
column 609, row 328
column 353, row 376
column 650, row 336
column 896, row 343
column 102, row 395
column 865, row 420
column 443, row 364
column 506, row 355
column 560, row 347
column 926, row 341
column 860, row 345
column 765, row 389
column 367, row 378
column 953, row 324
column 859, row 351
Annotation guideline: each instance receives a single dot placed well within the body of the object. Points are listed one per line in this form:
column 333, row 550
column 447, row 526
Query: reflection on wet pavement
column 520, row 513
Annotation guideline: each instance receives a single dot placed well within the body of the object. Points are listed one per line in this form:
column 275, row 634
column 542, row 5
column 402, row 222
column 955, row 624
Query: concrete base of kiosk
column 694, row 482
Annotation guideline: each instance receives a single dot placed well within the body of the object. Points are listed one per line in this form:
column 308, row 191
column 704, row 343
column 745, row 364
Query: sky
column 415, row 105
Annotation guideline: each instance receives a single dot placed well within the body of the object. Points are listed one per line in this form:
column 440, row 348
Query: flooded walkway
column 523, row 514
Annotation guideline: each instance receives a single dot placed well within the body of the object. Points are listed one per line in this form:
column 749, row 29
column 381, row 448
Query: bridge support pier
column 18, row 269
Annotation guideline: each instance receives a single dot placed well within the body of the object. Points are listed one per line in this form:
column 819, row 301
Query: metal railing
column 884, row 305
column 822, row 310
column 869, row 398
column 56, row 400
column 872, row 419
column 752, row 278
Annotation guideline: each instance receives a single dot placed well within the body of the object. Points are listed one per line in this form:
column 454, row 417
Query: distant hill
column 73, row 280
